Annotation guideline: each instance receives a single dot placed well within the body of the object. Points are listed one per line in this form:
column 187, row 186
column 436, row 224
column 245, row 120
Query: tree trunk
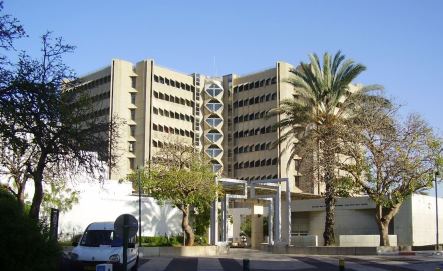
column 186, row 227
column 328, row 235
column 34, row 212
column 383, row 218
column 21, row 195
column 329, row 157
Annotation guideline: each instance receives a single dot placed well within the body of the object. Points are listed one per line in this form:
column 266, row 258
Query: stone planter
column 194, row 251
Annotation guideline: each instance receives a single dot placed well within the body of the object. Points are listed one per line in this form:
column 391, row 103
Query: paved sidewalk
column 261, row 261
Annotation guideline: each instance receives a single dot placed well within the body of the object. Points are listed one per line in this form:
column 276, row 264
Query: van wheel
column 135, row 267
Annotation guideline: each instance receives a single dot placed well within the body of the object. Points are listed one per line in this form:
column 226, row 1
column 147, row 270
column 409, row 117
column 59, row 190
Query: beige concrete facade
column 224, row 116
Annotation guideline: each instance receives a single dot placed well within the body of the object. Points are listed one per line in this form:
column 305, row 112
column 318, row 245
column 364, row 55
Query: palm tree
column 323, row 98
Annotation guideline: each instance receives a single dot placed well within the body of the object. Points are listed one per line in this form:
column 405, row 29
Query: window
column 133, row 81
column 274, row 161
column 131, row 146
column 273, row 80
column 132, row 130
column 213, row 106
column 297, row 181
column 213, row 151
column 213, row 90
column 132, row 163
column 156, row 78
column 132, row 114
column 274, row 96
column 162, row 80
column 133, row 98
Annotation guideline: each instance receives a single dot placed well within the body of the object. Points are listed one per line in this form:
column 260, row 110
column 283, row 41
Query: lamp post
column 436, row 210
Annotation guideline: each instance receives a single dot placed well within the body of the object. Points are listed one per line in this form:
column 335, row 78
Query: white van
column 99, row 245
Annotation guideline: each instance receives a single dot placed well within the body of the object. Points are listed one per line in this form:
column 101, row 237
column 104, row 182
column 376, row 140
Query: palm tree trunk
column 329, row 158
column 328, row 235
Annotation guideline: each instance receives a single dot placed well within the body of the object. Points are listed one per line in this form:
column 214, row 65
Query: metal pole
column 139, row 209
column 288, row 206
column 436, row 211
column 125, row 242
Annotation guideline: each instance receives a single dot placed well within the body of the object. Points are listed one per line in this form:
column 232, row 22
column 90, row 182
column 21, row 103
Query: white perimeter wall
column 107, row 200
column 423, row 220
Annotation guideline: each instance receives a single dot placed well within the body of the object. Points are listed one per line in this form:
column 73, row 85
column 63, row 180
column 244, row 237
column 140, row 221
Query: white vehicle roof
column 101, row 226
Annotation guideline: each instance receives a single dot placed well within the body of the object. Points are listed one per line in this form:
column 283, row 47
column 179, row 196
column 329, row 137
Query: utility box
column 103, row 267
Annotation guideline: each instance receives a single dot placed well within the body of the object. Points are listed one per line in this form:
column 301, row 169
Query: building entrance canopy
column 268, row 190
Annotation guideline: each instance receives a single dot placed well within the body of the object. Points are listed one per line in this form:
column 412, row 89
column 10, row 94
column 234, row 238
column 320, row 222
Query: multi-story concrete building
column 224, row 116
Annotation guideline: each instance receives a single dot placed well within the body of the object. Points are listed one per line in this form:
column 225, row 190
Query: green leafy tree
column 59, row 195
column 390, row 159
column 40, row 115
column 181, row 176
column 323, row 98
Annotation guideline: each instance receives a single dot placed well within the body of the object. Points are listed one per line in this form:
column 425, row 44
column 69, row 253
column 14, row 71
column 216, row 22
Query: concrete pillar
column 214, row 221
column 257, row 226
column 224, row 218
column 277, row 215
column 284, row 222
column 236, row 217
column 289, row 211
column 271, row 222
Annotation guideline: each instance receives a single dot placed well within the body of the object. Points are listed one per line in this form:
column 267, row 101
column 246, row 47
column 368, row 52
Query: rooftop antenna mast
column 215, row 68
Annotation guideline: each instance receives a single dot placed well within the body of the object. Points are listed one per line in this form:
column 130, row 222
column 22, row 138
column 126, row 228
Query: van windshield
column 95, row 238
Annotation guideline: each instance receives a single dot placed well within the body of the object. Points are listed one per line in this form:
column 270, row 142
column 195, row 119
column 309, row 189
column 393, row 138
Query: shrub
column 162, row 241
column 26, row 244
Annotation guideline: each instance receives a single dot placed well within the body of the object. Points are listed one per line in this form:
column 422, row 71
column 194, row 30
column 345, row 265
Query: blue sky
column 400, row 42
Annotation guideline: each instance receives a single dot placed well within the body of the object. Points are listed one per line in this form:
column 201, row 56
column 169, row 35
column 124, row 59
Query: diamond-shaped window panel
column 213, row 137
column 214, row 90
column 216, row 167
column 213, row 121
column 213, row 152
column 214, row 106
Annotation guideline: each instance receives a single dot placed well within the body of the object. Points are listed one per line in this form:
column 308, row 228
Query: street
column 260, row 261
